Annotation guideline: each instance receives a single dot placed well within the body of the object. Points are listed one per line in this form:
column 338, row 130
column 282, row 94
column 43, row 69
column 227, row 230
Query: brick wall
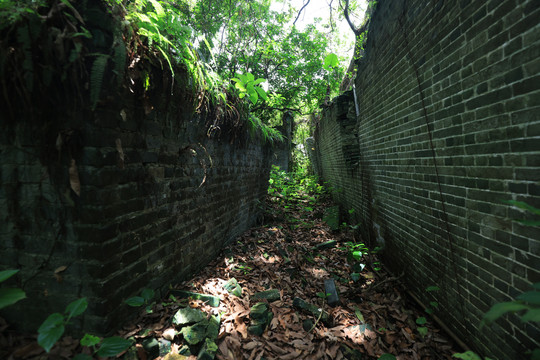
column 158, row 196
column 471, row 69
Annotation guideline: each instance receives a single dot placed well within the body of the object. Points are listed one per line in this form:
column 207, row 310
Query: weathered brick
column 483, row 113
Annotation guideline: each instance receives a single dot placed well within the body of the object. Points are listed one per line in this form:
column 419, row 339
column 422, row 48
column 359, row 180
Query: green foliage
column 527, row 303
column 248, row 85
column 330, row 62
column 9, row 296
column 323, row 295
column 422, row 330
column 528, row 208
column 90, row 340
column 96, row 78
column 355, row 251
column 12, row 12
column 387, row 356
column 468, row 355
column 52, row 329
column 267, row 134
column 292, row 188
column 144, row 299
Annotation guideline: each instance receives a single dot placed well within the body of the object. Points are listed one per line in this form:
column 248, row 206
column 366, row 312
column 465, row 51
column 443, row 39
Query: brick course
column 471, row 68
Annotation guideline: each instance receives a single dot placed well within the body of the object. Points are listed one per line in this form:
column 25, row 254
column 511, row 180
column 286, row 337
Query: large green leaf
column 240, row 86
column 113, row 346
column 529, row 222
column 330, row 61
column 10, row 297
column 135, row 301
column 467, row 355
column 258, row 81
column 147, row 294
column 500, row 309
column 261, row 92
column 50, row 331
column 531, row 315
column 6, row 274
column 76, row 308
column 530, row 297
column 387, row 357
column 524, row 206
column 253, row 97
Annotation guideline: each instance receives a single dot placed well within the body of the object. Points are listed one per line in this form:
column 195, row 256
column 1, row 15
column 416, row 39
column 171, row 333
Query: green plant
column 267, row 133
column 243, row 267
column 323, row 295
column 107, row 347
column 527, row 303
column 9, row 296
column 469, row 355
column 355, row 251
column 248, row 86
column 52, row 329
column 529, row 208
column 433, row 305
column 144, row 299
column 422, row 330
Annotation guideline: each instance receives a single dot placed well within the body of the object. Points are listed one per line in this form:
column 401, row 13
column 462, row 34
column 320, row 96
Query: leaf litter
column 373, row 316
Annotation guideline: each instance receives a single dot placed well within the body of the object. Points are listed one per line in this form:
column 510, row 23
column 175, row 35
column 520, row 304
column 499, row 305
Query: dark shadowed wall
column 448, row 130
column 139, row 192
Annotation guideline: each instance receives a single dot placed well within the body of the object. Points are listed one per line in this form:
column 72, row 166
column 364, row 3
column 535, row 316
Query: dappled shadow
column 293, row 254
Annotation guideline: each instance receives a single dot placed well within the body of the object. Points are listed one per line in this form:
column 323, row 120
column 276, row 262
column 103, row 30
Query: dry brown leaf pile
column 373, row 316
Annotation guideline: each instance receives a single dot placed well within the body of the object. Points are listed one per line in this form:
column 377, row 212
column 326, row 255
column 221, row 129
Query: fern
column 96, row 78
column 23, row 37
column 119, row 58
column 267, row 133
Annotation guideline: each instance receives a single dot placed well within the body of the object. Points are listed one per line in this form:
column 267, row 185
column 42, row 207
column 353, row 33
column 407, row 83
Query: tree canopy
column 255, row 48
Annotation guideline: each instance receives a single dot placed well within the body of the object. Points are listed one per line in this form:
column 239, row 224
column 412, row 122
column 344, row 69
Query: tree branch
column 346, row 13
column 356, row 31
column 303, row 7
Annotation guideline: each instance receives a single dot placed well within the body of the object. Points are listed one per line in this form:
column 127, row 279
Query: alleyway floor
column 283, row 265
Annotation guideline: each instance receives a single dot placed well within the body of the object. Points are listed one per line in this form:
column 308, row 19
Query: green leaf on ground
column 135, row 301
column 147, row 294
column 76, row 308
column 90, row 340
column 113, row 346
column 50, row 331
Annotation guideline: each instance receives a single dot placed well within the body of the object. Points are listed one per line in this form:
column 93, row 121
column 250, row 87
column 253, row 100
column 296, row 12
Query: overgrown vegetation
column 221, row 44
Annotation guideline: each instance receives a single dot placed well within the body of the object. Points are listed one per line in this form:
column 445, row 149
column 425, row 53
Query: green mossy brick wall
column 158, row 197
column 473, row 69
